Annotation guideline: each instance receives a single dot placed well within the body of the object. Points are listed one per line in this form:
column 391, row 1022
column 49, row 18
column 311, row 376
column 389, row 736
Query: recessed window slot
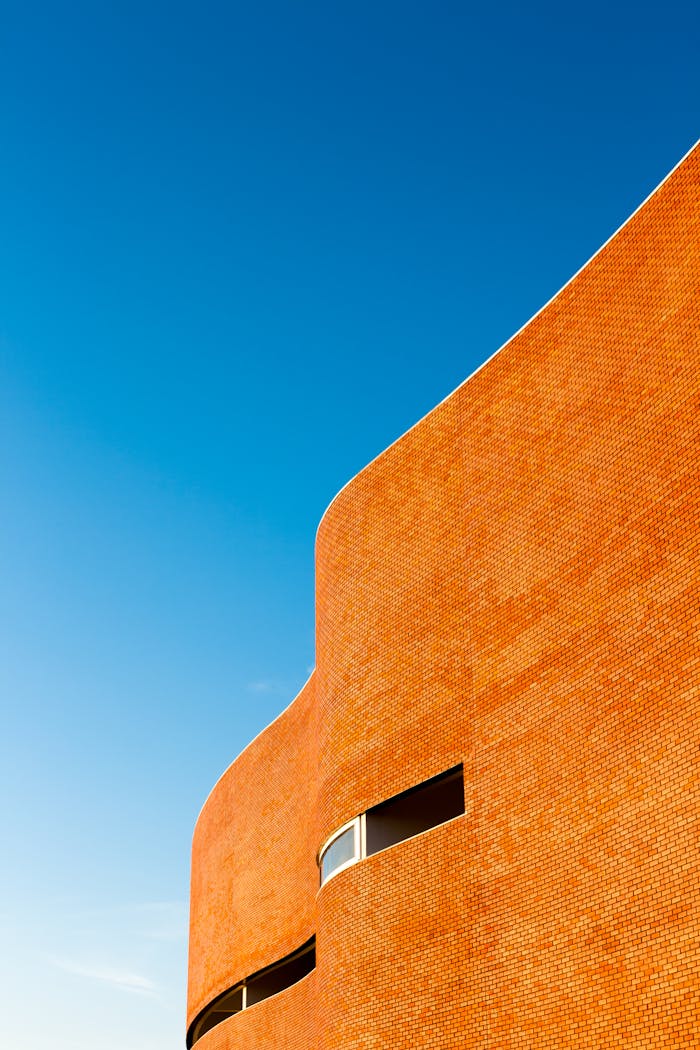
column 414, row 811
column 255, row 989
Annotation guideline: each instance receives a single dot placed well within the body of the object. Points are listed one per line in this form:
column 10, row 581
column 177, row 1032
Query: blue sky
column 242, row 249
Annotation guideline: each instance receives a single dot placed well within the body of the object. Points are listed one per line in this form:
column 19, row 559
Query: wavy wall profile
column 511, row 589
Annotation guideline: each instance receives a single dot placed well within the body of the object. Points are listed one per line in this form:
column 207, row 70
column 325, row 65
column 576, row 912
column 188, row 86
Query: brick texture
column 254, row 874
column 514, row 585
column 284, row 1022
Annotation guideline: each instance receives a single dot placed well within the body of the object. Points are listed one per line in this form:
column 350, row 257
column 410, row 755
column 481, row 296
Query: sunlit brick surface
column 254, row 876
column 395, row 962
column 284, row 1022
column 514, row 585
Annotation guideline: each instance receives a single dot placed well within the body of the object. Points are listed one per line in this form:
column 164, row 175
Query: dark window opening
column 222, row 1008
column 259, row 986
column 416, row 810
column 280, row 976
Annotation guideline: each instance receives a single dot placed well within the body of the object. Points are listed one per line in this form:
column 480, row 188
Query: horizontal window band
column 255, row 989
column 413, row 811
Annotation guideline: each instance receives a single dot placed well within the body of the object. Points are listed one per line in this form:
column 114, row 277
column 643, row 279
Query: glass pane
column 339, row 852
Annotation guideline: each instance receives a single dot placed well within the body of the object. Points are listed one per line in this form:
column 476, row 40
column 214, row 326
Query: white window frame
column 363, row 836
column 357, row 824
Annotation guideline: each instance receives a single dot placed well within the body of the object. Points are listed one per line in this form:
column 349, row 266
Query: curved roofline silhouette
column 477, row 809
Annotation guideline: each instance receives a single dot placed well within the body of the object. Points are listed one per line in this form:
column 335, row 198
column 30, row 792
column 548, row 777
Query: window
column 254, row 989
column 341, row 850
column 227, row 1004
column 281, row 975
column 412, row 812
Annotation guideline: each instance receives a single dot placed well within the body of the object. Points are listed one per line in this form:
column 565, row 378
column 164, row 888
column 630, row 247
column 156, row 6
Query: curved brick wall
column 393, row 673
column 514, row 585
column 285, row 1022
column 254, row 874
column 394, row 950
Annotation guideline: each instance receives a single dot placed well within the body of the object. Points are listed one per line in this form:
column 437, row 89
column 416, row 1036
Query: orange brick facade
column 514, row 585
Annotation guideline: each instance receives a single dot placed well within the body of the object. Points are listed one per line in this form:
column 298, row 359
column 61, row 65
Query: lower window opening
column 255, row 989
column 280, row 976
column 223, row 1008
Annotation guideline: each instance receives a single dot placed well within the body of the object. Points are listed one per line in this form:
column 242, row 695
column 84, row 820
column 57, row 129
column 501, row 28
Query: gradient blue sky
column 242, row 249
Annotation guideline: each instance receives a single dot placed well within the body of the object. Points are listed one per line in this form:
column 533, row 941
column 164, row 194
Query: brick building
column 477, row 824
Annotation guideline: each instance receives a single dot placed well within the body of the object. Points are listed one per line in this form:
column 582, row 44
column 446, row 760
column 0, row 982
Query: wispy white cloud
column 273, row 686
column 121, row 979
column 162, row 920
column 262, row 686
column 151, row 920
